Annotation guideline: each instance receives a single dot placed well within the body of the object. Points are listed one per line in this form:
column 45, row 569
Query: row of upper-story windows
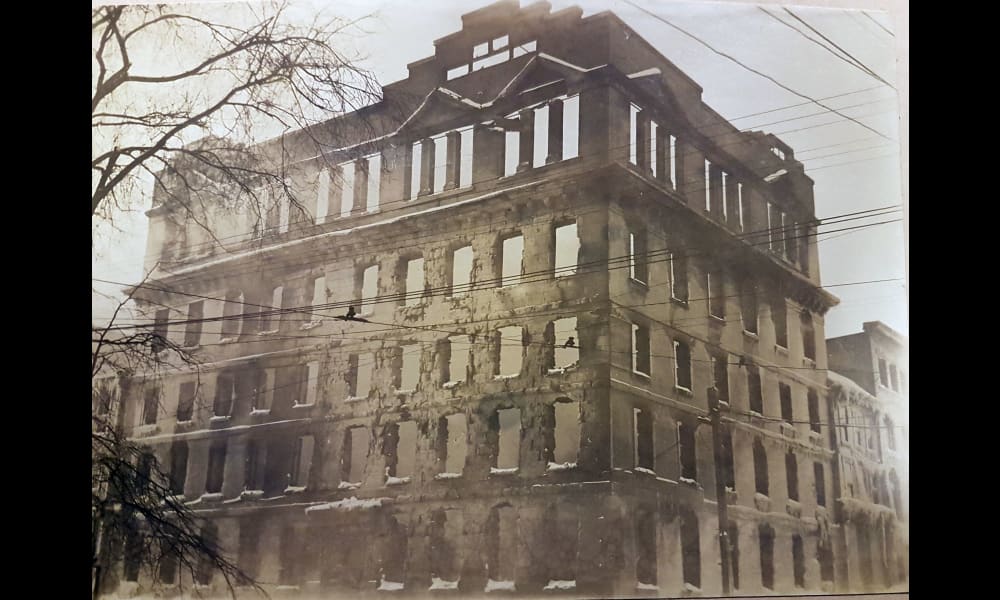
column 864, row 428
column 889, row 376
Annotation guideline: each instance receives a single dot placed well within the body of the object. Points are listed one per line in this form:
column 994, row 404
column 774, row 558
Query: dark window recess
column 216, row 468
column 679, row 278
column 185, row 401
column 682, row 358
column 206, row 567
column 716, row 295
column 690, row 549
column 726, row 462
column 785, row 392
column 641, row 349
column 167, row 567
column 755, row 391
column 151, row 405
column 748, row 307
column 144, row 472
column 720, row 371
column 192, row 333
column 225, row 393
column 645, row 536
column 288, row 571
column 178, row 467
column 160, row 320
column 686, row 449
column 248, row 556
column 779, row 315
column 893, row 378
column 820, row 478
column 133, row 549
column 890, row 433
column 824, row 553
column 798, row 562
column 808, row 335
column 643, row 439
column 766, row 536
column 792, row 475
column 638, row 256
column 733, row 533
column 883, row 372
column 760, row 468
column 814, row 423
column 253, row 475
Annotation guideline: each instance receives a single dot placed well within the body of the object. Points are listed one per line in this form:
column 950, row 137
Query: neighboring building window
column 511, row 260
column 409, row 368
column 359, row 374
column 355, row 455
column 232, row 311
column 192, row 333
column 567, row 249
column 792, row 475
column 298, row 476
column 716, row 295
column 185, row 401
column 748, row 306
column 690, row 549
column 160, row 329
column 452, row 444
column 225, row 395
column 415, row 289
column 720, row 374
column 785, row 394
column 151, row 405
column 883, row 373
column 640, row 350
column 761, row 483
column 766, row 536
column 814, row 422
column 642, row 435
column 461, row 271
column 754, row 389
column 820, row 478
column 893, row 378
column 779, row 315
column 687, row 452
column 509, row 351
column 369, row 289
column 456, row 365
column 400, row 450
column 563, row 439
column 682, row 365
column 178, row 467
column 637, row 254
column 507, row 424
column 645, row 539
column 808, row 335
column 678, row 278
column 798, row 562
column 216, row 468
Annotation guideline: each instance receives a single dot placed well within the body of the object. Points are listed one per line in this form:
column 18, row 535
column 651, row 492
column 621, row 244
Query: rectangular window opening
column 461, row 271
column 682, row 365
column 640, row 350
column 509, row 439
column 512, row 260
column 643, row 439
column 567, row 249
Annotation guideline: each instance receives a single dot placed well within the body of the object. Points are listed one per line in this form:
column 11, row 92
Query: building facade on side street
column 552, row 251
column 868, row 396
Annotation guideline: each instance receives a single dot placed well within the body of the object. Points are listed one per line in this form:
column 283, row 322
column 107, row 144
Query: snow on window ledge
column 652, row 587
column 691, row 482
column 150, row 429
column 389, row 586
column 560, row 584
column 211, row 497
column 355, row 398
column 689, row 589
column 683, row 390
column 793, row 507
column 645, row 470
column 229, row 340
column 506, row 377
column 347, row 485
column 295, row 489
column 307, row 405
column 390, row 480
column 185, row 423
column 286, row 588
column 351, row 503
column 451, row 384
column 442, row 584
column 779, row 349
column 447, row 476
column 251, row 494
column 219, row 418
column 762, row 502
column 310, row 325
column 268, row 332
column 553, row 466
column 641, row 374
column 257, row 412
column 499, row 471
column 751, row 335
column 499, row 586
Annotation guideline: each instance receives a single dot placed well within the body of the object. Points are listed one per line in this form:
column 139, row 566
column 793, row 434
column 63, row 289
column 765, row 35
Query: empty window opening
column 192, row 333
column 133, row 550
column 739, row 206
column 490, row 61
column 461, row 270
column 654, row 162
column 415, row 289
column 317, row 291
column 270, row 317
column 571, row 127
column 508, row 449
column 645, row 547
column 690, row 549
column 409, row 375
column 808, row 335
column 440, row 162
column 452, row 444
column 524, row 48
column 216, row 468
column 312, row 382
column 457, row 364
column 785, row 394
column 754, row 389
column 633, row 142
column 678, row 278
column 144, row 471
column 642, row 434
column 510, row 351
column 356, row 441
column 792, row 475
column 511, row 260
column 500, row 42
column 501, row 544
column 225, row 395
column 160, row 329
column 720, row 375
column 359, row 374
column 814, row 423
column 465, row 158
column 178, row 467
column 347, row 176
column 687, row 452
column 640, row 350
column 791, row 232
column 263, row 391
column 322, row 195
column 298, row 475
column 716, row 295
column 444, row 531
column 893, row 378
column 374, row 182
column 726, row 460
column 400, row 451
column 766, row 536
column 416, row 157
column 185, row 401
column 682, row 365
column 724, row 184
column 565, row 440
column 253, row 466
column 779, row 315
column 369, row 289
column 673, row 162
column 761, row 484
column 637, row 254
column 541, row 149
column 748, row 307
column 820, row 479
column 480, row 50
column 511, row 152
column 232, row 309
column 567, row 347
column 798, row 562
column 567, row 247
column 151, row 405
column 708, row 186
column 824, row 553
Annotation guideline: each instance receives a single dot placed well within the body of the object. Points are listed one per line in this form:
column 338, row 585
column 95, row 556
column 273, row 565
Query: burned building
column 868, row 397
column 473, row 350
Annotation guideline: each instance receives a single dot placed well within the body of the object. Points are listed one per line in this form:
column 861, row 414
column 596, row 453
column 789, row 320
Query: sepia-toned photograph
column 499, row 299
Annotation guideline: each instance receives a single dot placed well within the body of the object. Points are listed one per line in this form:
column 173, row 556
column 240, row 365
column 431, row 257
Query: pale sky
column 853, row 168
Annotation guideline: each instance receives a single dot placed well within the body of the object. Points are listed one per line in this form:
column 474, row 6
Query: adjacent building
column 473, row 350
